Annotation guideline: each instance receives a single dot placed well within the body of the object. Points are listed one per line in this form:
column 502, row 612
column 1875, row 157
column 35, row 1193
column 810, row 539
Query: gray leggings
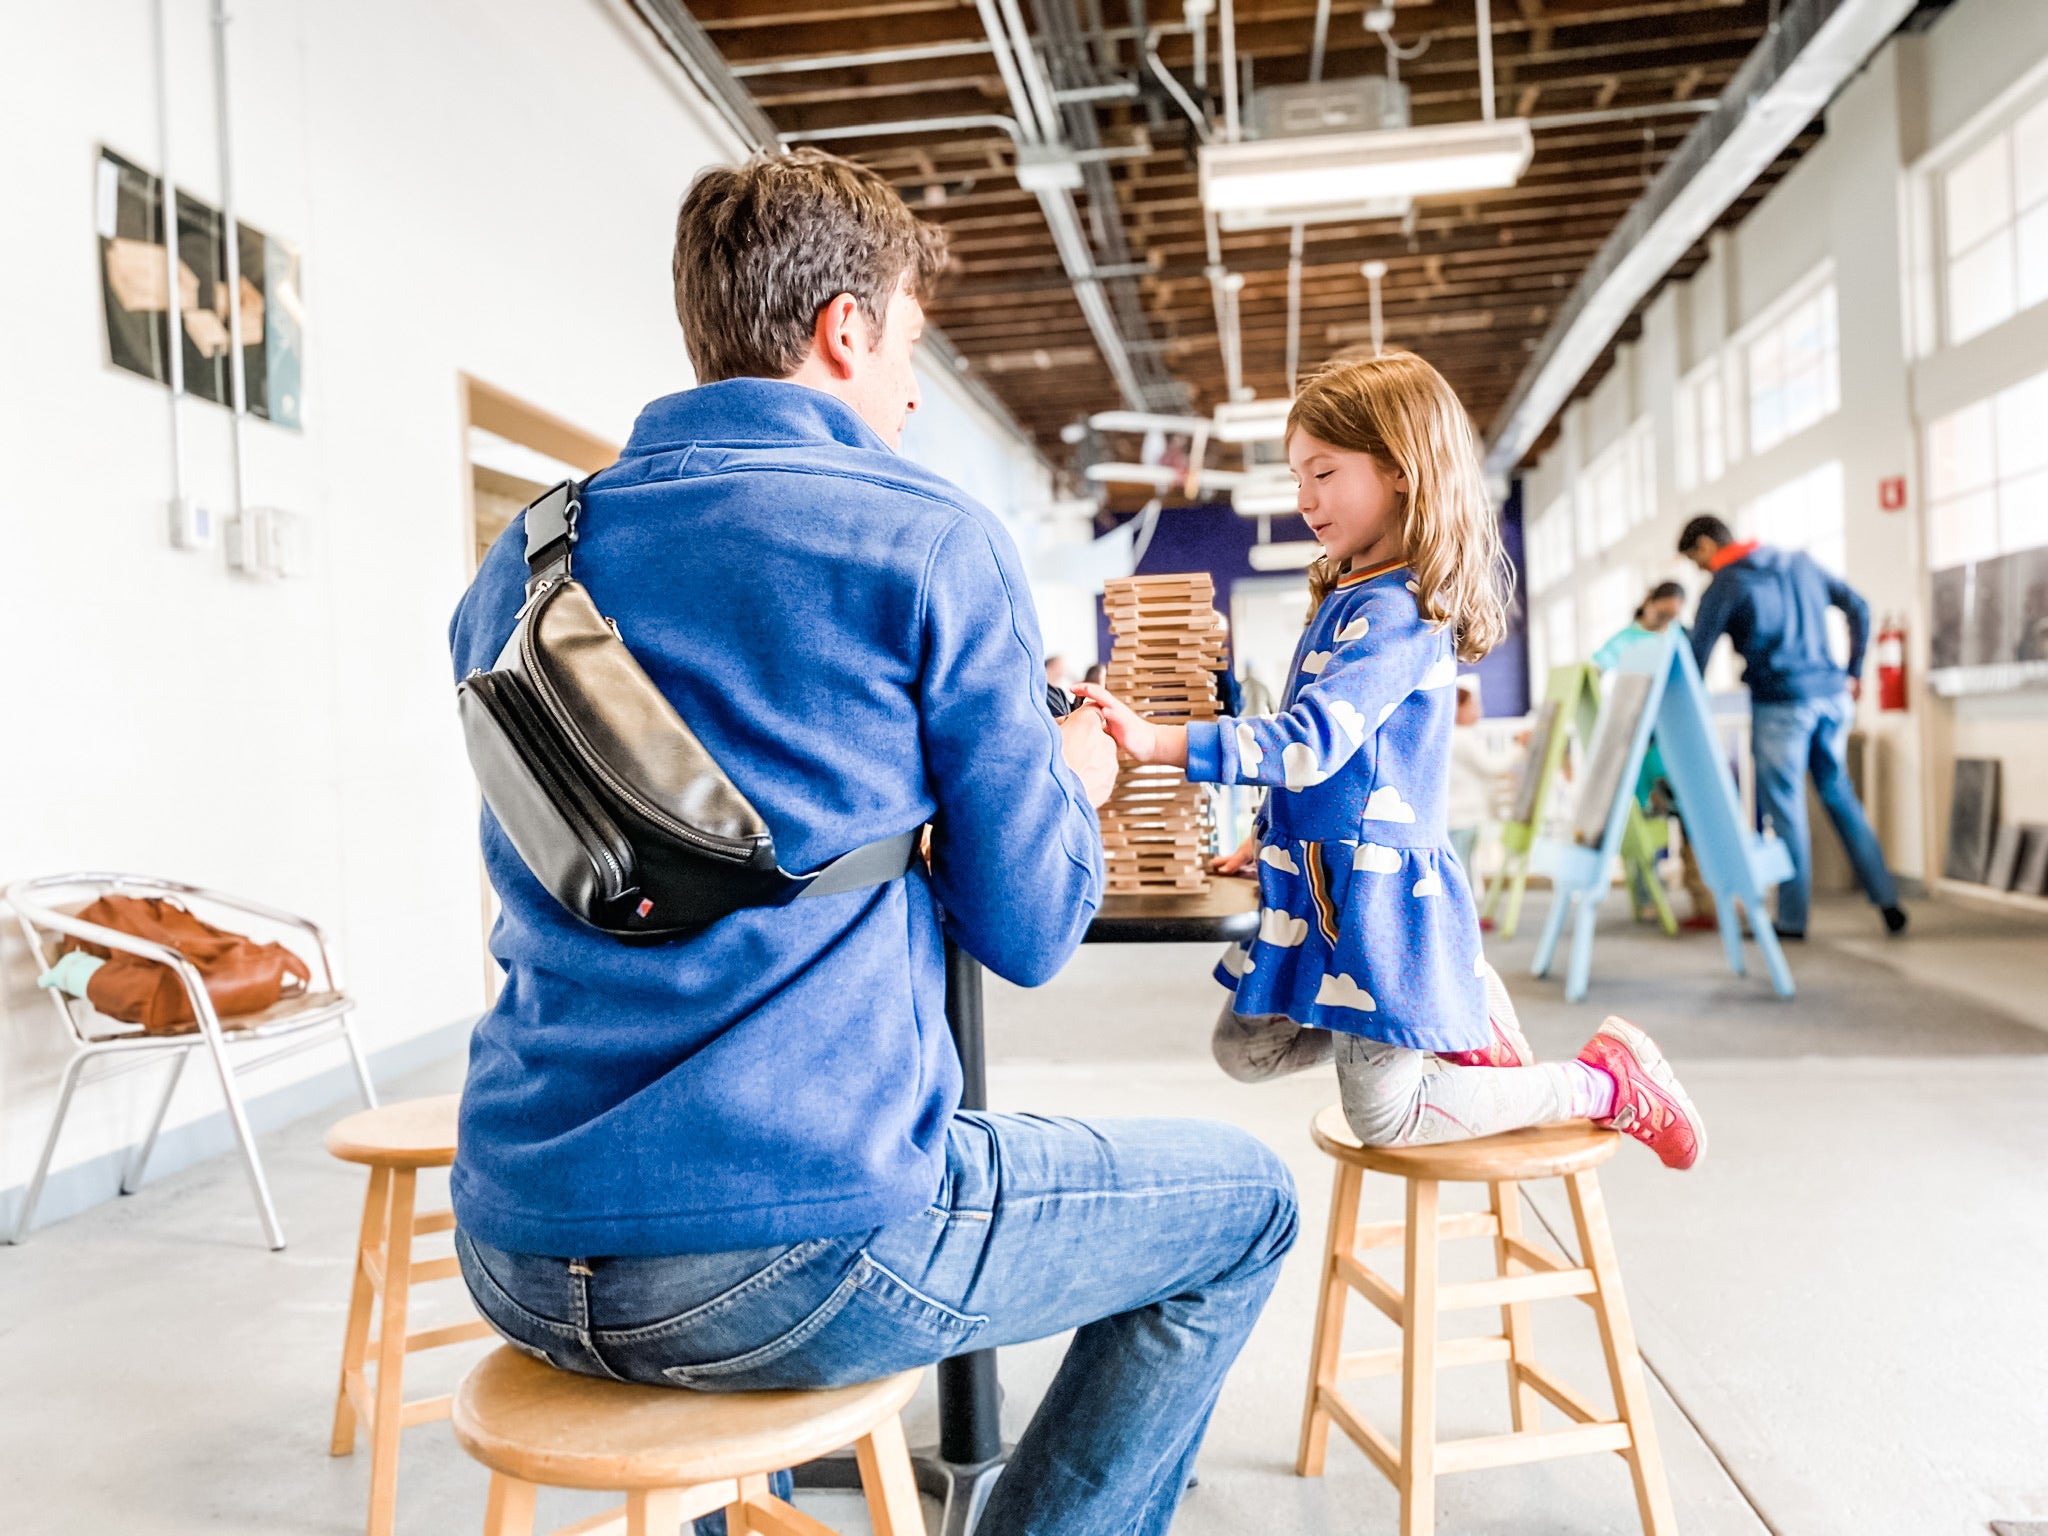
column 1394, row 1096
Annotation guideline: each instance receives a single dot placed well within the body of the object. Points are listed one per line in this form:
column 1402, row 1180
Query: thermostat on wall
column 191, row 524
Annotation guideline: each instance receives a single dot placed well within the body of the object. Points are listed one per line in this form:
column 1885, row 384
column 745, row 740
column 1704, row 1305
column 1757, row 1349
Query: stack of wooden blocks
column 1168, row 646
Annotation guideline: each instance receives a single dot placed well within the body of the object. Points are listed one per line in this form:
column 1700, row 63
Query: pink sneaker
column 1648, row 1102
column 1510, row 1048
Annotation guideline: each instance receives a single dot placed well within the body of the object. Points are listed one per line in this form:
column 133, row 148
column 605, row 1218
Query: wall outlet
column 192, row 525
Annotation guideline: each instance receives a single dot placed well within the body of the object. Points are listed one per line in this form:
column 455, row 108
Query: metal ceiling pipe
column 857, row 60
column 1374, row 271
column 1486, row 60
column 1322, row 39
column 1008, row 125
column 1294, row 252
column 1227, row 21
column 1006, row 66
column 1036, row 86
column 238, row 384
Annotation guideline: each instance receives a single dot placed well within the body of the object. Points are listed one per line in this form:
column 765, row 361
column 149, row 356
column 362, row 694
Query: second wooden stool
column 395, row 1141
column 677, row 1454
column 1525, row 1272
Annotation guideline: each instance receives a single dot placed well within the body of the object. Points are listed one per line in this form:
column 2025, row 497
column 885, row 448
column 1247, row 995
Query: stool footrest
column 1389, row 1234
column 1372, row 1288
column 435, row 1338
column 1509, row 1289
column 1379, row 1450
column 1535, row 1257
column 1387, row 1362
column 425, row 1410
column 772, row 1517
column 433, row 1221
column 1538, row 1445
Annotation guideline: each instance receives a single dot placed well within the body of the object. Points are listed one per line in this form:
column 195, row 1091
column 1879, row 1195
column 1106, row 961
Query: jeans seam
column 725, row 1300
column 549, row 1325
column 779, row 1346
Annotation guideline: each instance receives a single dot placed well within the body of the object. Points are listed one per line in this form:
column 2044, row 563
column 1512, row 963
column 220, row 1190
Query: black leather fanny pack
column 610, row 799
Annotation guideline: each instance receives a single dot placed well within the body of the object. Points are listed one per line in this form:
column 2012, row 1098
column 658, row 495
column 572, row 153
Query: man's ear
column 840, row 335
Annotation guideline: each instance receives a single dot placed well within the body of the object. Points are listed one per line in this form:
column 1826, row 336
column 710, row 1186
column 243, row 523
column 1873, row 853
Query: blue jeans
column 1158, row 1240
column 1791, row 741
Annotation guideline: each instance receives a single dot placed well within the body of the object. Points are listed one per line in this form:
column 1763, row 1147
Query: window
column 1702, row 442
column 1550, row 545
column 1994, row 227
column 1610, row 604
column 1805, row 513
column 1561, row 631
column 1620, row 488
column 1793, row 368
column 1987, row 474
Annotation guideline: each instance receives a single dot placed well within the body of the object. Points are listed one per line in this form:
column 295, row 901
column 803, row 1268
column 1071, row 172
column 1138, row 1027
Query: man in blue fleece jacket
column 737, row 1161
column 1772, row 604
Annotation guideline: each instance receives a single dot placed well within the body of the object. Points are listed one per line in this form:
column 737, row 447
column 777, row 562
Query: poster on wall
column 135, row 291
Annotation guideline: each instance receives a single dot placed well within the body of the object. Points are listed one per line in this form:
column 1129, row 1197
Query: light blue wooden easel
column 1657, row 686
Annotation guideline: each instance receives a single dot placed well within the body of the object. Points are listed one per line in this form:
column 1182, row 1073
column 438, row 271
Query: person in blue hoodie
column 736, row 1161
column 1772, row 604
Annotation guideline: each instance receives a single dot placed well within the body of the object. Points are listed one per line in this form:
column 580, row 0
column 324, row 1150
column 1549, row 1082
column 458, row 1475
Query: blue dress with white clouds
column 1367, row 924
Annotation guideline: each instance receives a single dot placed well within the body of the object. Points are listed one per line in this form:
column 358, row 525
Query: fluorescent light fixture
column 1241, row 220
column 1146, row 421
column 1161, row 477
column 1276, row 176
column 1252, row 421
column 1289, row 555
column 1265, row 493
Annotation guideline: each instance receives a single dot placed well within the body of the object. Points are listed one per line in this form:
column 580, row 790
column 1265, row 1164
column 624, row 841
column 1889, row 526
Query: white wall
column 1846, row 203
column 477, row 187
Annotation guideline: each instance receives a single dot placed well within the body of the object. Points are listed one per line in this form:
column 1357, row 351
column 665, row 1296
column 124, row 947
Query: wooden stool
column 674, row 1453
column 1525, row 1272
column 395, row 1141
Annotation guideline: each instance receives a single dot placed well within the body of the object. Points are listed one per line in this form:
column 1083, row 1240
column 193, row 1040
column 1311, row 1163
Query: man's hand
column 1089, row 752
column 1148, row 743
column 1242, row 861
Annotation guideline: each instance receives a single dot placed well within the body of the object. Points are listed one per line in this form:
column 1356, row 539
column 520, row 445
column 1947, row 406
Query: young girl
column 1368, row 944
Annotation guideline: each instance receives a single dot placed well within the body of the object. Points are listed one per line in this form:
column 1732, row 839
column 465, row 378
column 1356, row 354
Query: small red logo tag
column 1891, row 493
column 645, row 907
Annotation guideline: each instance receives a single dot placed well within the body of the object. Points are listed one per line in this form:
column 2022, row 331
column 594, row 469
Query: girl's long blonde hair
column 1399, row 409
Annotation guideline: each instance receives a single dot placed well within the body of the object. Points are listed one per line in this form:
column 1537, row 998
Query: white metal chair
column 316, row 1017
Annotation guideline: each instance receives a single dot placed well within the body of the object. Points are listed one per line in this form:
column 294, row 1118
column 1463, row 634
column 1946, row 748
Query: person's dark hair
column 762, row 247
column 1663, row 590
column 1705, row 526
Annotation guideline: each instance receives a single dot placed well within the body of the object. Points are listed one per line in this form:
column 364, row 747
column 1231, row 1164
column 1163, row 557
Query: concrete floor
column 1841, row 1308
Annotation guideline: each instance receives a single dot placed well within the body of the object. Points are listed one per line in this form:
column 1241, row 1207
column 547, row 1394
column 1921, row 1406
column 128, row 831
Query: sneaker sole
column 1645, row 1051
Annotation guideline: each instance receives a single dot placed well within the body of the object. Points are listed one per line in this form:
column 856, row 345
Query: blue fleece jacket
column 852, row 638
column 1773, row 603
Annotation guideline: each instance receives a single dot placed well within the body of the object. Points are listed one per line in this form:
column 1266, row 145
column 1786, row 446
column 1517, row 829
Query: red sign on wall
column 1891, row 493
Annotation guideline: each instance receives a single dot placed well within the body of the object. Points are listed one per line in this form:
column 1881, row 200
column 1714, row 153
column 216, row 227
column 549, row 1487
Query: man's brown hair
column 762, row 247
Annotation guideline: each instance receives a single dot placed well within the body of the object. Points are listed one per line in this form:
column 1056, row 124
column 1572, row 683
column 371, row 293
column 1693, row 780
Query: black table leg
column 962, row 1469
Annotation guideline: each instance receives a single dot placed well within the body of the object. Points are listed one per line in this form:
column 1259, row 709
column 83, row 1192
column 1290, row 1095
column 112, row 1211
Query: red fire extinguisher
column 1891, row 664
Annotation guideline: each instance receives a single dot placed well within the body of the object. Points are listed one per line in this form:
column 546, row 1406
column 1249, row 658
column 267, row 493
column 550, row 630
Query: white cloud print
column 1357, row 629
column 1314, row 662
column 1377, row 859
column 1340, row 991
column 1348, row 719
column 1386, row 804
column 1387, row 714
column 1279, row 858
column 1479, row 967
column 1249, row 753
column 1431, row 884
column 1237, row 960
column 1280, row 929
column 1442, row 674
column 1301, row 765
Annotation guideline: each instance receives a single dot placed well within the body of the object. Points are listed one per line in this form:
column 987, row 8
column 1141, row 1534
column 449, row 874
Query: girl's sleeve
column 1380, row 655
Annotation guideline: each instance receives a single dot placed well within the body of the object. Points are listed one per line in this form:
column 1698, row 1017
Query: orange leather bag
column 242, row 976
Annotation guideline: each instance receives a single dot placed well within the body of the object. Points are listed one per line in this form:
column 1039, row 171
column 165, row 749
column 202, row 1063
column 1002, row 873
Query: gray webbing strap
column 875, row 864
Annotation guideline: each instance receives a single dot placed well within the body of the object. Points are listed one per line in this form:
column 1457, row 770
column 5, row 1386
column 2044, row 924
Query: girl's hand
column 1243, row 862
column 1131, row 730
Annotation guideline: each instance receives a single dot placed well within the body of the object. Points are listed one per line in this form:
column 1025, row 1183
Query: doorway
column 512, row 451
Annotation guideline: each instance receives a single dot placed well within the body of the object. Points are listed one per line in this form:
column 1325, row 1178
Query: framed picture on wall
column 134, row 285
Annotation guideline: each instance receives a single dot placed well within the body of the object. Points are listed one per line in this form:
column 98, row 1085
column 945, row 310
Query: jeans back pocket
column 873, row 1324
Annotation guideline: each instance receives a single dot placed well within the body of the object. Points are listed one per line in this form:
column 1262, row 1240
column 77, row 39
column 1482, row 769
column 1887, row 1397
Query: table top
column 1228, row 910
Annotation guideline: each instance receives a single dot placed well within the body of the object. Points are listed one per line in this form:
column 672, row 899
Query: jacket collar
column 750, row 413
column 1728, row 554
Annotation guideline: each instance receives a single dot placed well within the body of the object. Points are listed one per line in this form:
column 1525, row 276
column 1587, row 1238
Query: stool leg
column 739, row 1520
column 1624, row 1364
column 391, row 1325
column 889, row 1481
column 1418, row 1364
column 656, row 1512
column 509, row 1510
column 361, row 1299
column 1514, row 1318
column 1329, row 1344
